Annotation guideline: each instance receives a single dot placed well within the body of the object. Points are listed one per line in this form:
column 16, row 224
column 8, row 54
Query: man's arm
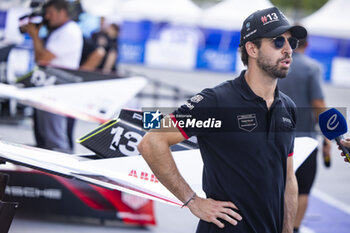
column 110, row 61
column 319, row 106
column 94, row 59
column 290, row 198
column 42, row 55
column 154, row 148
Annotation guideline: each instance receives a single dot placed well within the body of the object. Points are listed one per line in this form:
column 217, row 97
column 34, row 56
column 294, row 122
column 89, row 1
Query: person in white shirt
column 63, row 48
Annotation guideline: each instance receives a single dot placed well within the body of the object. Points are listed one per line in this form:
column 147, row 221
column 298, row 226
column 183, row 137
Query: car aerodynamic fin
column 118, row 138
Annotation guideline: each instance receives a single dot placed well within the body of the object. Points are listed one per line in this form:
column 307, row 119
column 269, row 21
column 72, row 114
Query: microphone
column 333, row 126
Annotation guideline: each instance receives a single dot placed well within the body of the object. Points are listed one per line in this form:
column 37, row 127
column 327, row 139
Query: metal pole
column 7, row 209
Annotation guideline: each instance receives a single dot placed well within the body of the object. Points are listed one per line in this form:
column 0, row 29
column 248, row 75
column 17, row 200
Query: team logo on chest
column 247, row 122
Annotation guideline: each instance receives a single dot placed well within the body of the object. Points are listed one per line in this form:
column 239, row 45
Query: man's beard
column 273, row 71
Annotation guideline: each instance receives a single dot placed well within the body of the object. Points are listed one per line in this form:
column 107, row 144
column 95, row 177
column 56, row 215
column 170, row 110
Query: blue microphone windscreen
column 332, row 123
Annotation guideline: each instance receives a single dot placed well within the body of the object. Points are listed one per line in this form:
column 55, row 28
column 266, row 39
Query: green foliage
column 306, row 5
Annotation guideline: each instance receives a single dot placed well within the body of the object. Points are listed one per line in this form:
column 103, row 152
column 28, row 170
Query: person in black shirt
column 107, row 38
column 248, row 174
column 92, row 55
column 303, row 86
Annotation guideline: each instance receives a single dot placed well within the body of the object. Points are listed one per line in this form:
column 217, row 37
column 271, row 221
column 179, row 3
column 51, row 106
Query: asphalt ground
column 329, row 209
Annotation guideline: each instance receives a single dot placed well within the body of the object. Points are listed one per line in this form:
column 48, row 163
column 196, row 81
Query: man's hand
column 210, row 210
column 346, row 143
column 42, row 56
column 31, row 29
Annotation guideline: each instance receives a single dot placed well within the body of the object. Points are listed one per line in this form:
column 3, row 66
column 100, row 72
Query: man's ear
column 252, row 49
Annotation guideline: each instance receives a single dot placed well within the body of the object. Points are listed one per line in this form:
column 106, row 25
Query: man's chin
column 282, row 76
column 283, row 73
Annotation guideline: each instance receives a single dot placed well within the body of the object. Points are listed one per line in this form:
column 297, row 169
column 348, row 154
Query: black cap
column 268, row 23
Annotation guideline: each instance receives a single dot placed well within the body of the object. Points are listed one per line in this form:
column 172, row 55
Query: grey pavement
column 331, row 183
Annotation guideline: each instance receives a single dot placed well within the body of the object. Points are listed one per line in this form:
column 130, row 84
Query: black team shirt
column 245, row 160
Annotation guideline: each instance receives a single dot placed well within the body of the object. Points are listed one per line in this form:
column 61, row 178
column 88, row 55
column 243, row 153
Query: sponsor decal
column 247, row 26
column 151, row 119
column 287, row 122
column 189, row 105
column 247, row 122
column 32, row 192
column 269, row 18
column 144, row 176
column 249, row 34
column 197, row 98
column 129, row 148
column 332, row 123
column 137, row 116
column 140, row 217
column 134, row 202
column 39, row 79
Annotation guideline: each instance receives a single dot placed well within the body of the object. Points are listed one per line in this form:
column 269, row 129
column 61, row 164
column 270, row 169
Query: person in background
column 303, row 86
column 92, row 55
column 91, row 58
column 107, row 38
column 63, row 48
column 346, row 143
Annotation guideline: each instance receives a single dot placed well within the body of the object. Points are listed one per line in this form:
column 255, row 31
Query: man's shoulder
column 220, row 93
column 213, row 96
column 229, row 85
column 224, row 89
column 307, row 61
column 72, row 26
column 288, row 102
column 223, row 86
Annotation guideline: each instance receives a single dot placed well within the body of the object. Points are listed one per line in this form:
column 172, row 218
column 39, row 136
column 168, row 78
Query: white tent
column 8, row 4
column 230, row 14
column 331, row 20
column 11, row 32
column 176, row 11
column 105, row 8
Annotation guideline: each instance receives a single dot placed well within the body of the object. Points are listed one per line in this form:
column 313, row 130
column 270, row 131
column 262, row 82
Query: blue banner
column 135, row 31
column 216, row 60
column 3, row 15
column 220, row 50
column 131, row 52
column 325, row 49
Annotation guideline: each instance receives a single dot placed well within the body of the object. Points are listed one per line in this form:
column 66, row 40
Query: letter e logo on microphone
column 331, row 123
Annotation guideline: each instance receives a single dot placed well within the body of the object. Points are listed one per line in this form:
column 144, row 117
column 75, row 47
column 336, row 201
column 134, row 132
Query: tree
column 300, row 5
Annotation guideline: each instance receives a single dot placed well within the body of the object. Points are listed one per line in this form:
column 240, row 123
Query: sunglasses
column 280, row 40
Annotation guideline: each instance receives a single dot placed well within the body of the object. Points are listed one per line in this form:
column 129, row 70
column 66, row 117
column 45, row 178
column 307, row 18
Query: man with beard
column 248, row 172
column 62, row 48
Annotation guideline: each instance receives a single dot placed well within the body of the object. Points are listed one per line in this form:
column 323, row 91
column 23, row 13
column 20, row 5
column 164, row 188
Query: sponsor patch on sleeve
column 197, row 98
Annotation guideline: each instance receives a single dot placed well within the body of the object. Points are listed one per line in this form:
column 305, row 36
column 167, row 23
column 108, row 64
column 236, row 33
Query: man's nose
column 287, row 48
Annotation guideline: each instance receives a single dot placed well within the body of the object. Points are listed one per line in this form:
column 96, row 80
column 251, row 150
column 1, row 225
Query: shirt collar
column 247, row 93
